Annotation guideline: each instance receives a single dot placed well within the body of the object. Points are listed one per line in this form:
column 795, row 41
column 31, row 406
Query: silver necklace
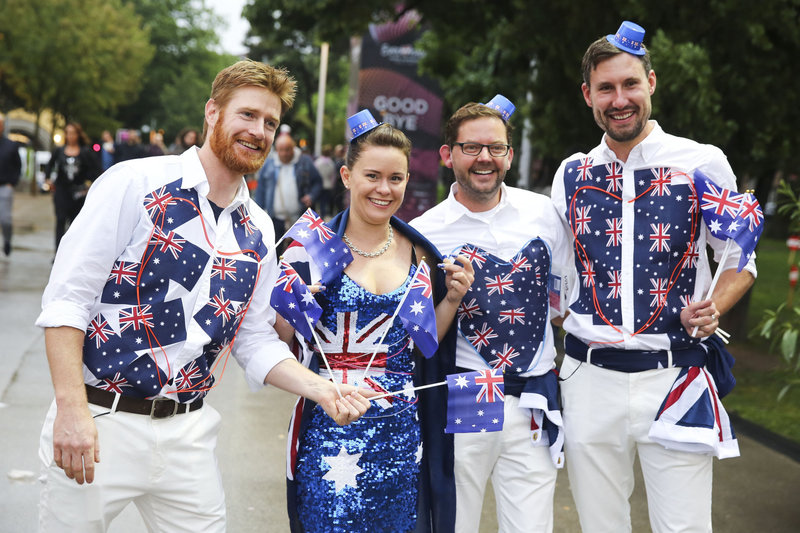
column 376, row 253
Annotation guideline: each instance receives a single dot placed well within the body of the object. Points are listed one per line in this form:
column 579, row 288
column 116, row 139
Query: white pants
column 607, row 416
column 522, row 474
column 167, row 468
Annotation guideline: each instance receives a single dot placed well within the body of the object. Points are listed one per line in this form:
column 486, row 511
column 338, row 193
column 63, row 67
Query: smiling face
column 478, row 176
column 377, row 183
column 619, row 95
column 241, row 132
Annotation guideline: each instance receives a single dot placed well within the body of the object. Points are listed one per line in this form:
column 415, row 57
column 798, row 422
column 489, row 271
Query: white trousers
column 522, row 474
column 167, row 468
column 607, row 415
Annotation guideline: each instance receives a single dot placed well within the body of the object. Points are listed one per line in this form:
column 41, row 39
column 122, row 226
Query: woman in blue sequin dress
column 392, row 469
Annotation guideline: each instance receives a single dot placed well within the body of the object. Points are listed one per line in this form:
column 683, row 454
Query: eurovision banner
column 390, row 87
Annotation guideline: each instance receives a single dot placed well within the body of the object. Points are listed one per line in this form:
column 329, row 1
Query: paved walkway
column 755, row 492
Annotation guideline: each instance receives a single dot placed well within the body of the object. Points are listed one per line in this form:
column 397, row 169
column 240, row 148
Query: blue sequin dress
column 362, row 477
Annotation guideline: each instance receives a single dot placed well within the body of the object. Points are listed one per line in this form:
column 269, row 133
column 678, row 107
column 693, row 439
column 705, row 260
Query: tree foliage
column 724, row 67
column 176, row 83
column 277, row 38
column 80, row 58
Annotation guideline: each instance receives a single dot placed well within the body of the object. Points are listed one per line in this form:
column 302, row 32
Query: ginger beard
column 224, row 147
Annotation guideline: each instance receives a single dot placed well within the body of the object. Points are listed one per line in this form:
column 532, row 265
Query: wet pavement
column 755, row 492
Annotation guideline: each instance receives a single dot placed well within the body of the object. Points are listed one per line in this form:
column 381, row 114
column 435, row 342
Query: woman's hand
column 350, row 407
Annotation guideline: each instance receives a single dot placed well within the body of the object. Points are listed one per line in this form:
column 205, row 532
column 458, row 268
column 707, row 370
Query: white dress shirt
column 519, row 217
column 112, row 233
column 636, row 266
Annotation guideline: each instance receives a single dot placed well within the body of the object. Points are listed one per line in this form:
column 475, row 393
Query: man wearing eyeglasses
column 514, row 235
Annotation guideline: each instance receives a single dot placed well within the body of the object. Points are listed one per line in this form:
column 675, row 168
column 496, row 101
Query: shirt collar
column 454, row 209
column 194, row 177
column 645, row 150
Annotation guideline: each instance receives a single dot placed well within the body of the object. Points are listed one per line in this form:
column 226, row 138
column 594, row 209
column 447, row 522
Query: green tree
column 177, row 82
column 80, row 58
column 724, row 66
column 279, row 38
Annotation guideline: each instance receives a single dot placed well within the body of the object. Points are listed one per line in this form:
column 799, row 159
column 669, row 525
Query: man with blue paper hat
column 640, row 373
column 515, row 240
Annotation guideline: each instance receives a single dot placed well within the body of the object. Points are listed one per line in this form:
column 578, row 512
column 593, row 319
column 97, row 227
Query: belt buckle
column 157, row 412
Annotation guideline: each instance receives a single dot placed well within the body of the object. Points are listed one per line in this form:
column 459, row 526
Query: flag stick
column 397, row 393
column 391, row 320
column 324, row 357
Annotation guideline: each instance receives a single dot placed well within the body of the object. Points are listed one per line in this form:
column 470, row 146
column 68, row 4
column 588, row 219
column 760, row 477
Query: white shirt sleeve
column 86, row 254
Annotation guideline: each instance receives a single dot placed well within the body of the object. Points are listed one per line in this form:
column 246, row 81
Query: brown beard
column 223, row 147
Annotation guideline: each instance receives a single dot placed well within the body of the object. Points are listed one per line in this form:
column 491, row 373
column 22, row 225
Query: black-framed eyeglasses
column 474, row 149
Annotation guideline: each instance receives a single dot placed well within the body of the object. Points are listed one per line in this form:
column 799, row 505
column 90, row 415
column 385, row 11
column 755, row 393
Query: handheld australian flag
column 475, row 402
column 730, row 215
column 294, row 302
column 417, row 311
column 326, row 249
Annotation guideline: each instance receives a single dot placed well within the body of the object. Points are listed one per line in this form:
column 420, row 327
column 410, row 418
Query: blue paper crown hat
column 503, row 105
column 629, row 38
column 361, row 123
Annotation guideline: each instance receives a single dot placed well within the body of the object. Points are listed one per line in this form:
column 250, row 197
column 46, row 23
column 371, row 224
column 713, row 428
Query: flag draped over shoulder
column 730, row 215
column 292, row 299
column 418, row 313
column 328, row 252
column 475, row 402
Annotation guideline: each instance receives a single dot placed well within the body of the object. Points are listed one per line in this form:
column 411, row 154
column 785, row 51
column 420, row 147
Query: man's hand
column 75, row 444
column 306, row 200
column 701, row 315
column 459, row 277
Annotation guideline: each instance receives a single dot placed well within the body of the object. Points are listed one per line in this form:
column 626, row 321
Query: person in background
column 637, row 318
column 75, row 167
column 328, row 172
column 288, row 184
column 10, row 169
column 107, row 150
column 187, row 138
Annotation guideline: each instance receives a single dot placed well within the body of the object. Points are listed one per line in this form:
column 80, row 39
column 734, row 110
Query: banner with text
column 390, row 87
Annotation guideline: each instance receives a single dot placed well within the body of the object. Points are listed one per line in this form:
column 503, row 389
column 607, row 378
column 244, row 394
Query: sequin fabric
column 362, row 477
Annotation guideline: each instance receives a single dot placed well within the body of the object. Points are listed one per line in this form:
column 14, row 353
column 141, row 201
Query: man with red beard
column 639, row 328
column 166, row 272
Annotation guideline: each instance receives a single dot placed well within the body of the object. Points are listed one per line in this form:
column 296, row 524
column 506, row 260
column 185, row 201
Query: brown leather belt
column 156, row 408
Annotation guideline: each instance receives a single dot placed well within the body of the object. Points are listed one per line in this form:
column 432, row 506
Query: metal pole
column 323, row 74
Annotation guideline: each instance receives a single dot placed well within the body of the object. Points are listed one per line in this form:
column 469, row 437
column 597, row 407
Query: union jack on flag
column 294, row 302
column 692, row 417
column 730, row 215
column 505, row 314
column 326, row 249
column 99, row 330
column 475, row 402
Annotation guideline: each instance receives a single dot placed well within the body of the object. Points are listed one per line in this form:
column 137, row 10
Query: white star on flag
column 344, row 469
column 308, row 297
column 417, row 308
column 715, row 226
column 461, row 381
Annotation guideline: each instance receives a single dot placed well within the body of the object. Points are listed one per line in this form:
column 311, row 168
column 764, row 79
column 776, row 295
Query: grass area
column 755, row 396
column 772, row 283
